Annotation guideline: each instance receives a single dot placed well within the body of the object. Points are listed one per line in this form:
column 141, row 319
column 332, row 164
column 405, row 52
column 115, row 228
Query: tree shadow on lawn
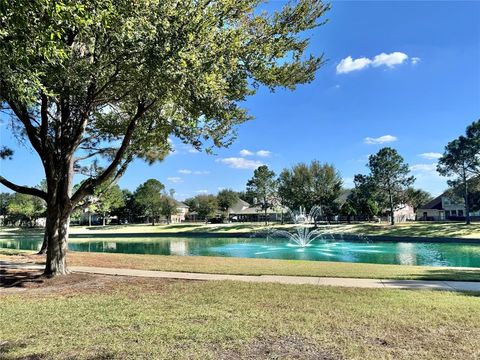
column 420, row 230
column 19, row 278
column 449, row 274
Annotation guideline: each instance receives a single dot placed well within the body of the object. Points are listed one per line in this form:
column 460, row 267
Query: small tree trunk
column 89, row 219
column 103, row 220
column 43, row 249
column 266, row 219
column 392, row 218
column 466, row 199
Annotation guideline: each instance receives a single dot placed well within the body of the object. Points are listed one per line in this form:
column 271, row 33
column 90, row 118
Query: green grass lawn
column 93, row 317
column 414, row 229
column 241, row 266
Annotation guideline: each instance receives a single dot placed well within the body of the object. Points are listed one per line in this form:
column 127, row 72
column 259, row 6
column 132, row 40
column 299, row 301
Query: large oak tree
column 85, row 80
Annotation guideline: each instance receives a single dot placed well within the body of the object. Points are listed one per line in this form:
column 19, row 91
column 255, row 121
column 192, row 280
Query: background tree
column 390, row 176
column 243, row 195
column 207, row 206
column 417, row 197
column 108, row 201
column 25, row 209
column 263, row 187
column 348, row 209
column 226, row 199
column 150, row 195
column 364, row 197
column 131, row 211
column 169, row 206
column 4, row 200
column 192, row 204
column 84, row 80
column 461, row 160
column 309, row 185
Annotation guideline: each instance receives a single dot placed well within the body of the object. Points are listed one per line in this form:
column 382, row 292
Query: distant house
column 404, row 213
column 182, row 211
column 94, row 218
column 444, row 208
column 244, row 212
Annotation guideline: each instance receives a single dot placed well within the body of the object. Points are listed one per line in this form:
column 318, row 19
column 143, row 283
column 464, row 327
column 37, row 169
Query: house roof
column 434, row 204
column 181, row 204
column 239, row 206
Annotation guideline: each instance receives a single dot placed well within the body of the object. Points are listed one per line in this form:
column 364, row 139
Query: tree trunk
column 153, row 220
column 103, row 220
column 43, row 249
column 466, row 199
column 392, row 217
column 89, row 219
column 58, row 221
column 266, row 219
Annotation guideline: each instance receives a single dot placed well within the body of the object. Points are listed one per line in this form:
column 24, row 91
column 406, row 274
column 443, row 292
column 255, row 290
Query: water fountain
column 303, row 234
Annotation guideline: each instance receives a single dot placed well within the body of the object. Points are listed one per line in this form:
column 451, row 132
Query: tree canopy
column 461, row 159
column 390, row 176
column 308, row 185
column 263, row 187
column 150, row 196
column 112, row 80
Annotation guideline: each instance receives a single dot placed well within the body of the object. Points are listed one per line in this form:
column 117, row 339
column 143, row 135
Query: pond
column 378, row 252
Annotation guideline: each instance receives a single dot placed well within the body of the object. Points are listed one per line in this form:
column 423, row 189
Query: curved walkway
column 295, row 280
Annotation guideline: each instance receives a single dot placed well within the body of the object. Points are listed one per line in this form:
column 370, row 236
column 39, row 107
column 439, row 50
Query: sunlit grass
column 212, row 320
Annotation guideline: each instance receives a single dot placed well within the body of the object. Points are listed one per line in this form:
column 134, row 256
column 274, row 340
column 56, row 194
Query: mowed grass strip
column 413, row 229
column 244, row 266
column 99, row 317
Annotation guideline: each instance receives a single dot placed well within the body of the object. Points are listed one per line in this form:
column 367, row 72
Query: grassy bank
column 93, row 317
column 219, row 265
column 414, row 229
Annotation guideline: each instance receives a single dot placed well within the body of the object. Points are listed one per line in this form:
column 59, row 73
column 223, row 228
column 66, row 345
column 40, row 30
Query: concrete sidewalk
column 294, row 280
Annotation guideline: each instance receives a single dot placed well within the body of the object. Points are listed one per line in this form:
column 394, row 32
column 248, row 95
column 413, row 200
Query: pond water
column 378, row 252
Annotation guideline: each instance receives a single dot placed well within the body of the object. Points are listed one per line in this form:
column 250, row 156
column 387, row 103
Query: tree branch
column 88, row 187
column 24, row 189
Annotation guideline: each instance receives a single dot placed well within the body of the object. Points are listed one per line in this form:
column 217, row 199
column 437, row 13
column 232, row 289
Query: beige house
column 182, row 211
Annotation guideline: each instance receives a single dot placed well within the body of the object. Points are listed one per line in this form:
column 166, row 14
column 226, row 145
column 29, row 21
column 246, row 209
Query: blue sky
column 400, row 74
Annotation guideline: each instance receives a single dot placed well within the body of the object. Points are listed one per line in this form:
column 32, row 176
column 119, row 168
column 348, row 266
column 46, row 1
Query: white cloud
column 390, row 60
column 380, row 140
column 416, row 60
column 240, row 163
column 431, row 155
column 263, row 153
column 246, row 152
column 424, row 168
column 196, row 172
column 193, row 151
column 348, row 64
column 175, row 179
column 202, row 191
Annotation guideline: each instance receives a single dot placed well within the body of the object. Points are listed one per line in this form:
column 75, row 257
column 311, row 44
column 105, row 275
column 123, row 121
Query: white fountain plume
column 303, row 235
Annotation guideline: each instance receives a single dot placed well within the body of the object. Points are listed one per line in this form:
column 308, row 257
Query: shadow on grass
column 449, row 274
column 13, row 278
column 419, row 229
